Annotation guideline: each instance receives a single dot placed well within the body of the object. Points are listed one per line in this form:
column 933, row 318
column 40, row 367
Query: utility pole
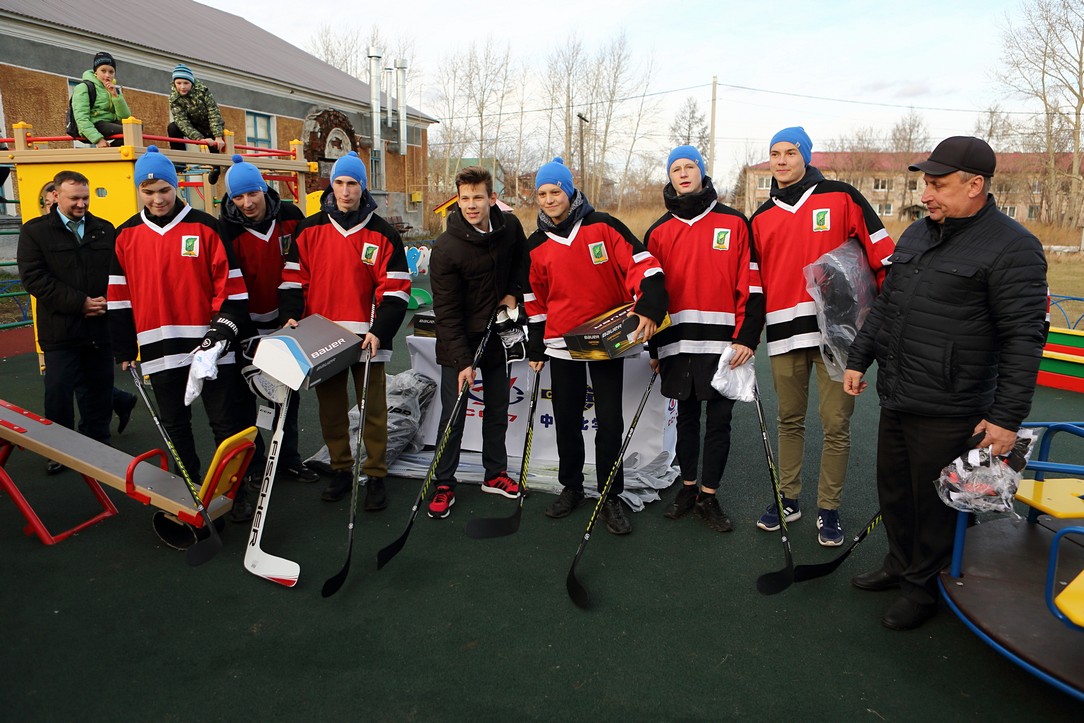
column 583, row 168
column 711, row 139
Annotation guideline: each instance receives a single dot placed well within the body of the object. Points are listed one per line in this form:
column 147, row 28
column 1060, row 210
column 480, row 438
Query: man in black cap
column 957, row 334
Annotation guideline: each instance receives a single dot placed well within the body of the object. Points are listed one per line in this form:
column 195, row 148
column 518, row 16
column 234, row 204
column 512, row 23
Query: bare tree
column 997, row 129
column 910, row 134
column 1043, row 60
column 645, row 109
column 690, row 127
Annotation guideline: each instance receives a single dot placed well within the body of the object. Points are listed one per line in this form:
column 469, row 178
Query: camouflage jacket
column 196, row 114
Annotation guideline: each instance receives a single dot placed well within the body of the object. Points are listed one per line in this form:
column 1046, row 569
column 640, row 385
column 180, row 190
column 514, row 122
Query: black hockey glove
column 223, row 328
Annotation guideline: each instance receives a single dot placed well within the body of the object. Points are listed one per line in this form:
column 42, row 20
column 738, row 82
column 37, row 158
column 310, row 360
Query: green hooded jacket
column 196, row 113
column 106, row 107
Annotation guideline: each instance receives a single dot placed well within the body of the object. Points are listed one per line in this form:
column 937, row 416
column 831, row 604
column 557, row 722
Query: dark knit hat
column 796, row 136
column 557, row 173
column 683, row 152
column 243, row 177
column 959, row 153
column 153, row 166
column 103, row 58
column 183, row 72
column 350, row 165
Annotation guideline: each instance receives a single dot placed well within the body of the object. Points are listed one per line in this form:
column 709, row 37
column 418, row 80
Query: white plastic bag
column 843, row 288
column 736, row 384
column 979, row 482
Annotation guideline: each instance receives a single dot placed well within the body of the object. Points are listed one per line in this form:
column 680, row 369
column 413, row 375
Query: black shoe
column 569, row 499
column 376, row 497
column 875, row 580
column 212, row 177
column 124, row 412
column 299, row 473
column 708, row 509
column 242, row 510
column 906, row 614
column 613, row 514
column 682, row 504
column 341, row 482
column 52, row 468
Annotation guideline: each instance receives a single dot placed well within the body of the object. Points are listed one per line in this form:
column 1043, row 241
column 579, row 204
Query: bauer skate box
column 607, row 336
column 316, row 350
column 425, row 323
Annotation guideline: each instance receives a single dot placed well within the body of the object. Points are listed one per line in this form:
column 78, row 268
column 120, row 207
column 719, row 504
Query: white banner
column 655, row 432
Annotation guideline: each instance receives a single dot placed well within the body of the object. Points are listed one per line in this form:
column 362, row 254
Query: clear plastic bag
column 843, row 288
column 736, row 384
column 980, row 482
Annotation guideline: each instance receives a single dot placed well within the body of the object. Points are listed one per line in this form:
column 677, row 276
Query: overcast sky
column 778, row 63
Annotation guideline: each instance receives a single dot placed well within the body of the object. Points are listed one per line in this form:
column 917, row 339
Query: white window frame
column 252, row 135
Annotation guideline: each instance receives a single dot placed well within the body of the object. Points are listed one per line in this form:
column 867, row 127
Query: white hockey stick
column 268, row 566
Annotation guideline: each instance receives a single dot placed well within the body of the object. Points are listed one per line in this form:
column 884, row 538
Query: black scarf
column 579, row 207
column 348, row 219
column 793, row 192
column 690, row 205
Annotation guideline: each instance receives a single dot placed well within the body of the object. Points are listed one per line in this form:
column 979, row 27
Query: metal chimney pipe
column 374, row 103
column 400, row 97
column 389, row 81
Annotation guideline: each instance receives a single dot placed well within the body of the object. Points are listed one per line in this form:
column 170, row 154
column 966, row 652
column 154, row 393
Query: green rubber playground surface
column 113, row 625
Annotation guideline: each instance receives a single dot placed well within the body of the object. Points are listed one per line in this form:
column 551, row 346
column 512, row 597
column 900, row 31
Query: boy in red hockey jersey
column 174, row 287
column 259, row 228
column 705, row 249
column 583, row 263
column 345, row 259
column 805, row 217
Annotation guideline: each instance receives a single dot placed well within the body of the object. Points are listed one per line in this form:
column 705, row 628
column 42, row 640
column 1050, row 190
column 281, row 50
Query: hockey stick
column 333, row 583
column 771, row 583
column 202, row 550
column 384, row 556
column 257, row 561
column 811, row 572
column 575, row 588
column 486, row 527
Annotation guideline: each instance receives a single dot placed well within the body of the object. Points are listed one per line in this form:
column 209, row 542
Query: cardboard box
column 425, row 323
column 302, row 357
column 607, row 336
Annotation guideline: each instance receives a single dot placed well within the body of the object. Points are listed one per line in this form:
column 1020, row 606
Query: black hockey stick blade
column 385, row 555
column 333, row 583
column 772, row 583
column 812, row 572
column 484, row 528
column 204, row 550
column 576, row 590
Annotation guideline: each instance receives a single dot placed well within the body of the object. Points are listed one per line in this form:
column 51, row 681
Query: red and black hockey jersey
column 338, row 272
column 789, row 236
column 261, row 253
column 599, row 266
column 712, row 279
column 166, row 284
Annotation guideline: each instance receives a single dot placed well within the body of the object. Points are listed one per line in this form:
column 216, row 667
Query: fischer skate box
column 607, row 336
column 302, row 357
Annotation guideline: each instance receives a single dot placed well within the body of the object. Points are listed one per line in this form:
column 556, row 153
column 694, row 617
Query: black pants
column 716, row 438
column 569, row 382
column 174, row 131
column 85, row 373
column 494, row 416
column 220, row 400
column 108, row 129
column 911, row 451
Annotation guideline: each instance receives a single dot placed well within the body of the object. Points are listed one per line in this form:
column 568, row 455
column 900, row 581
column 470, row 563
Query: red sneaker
column 502, row 484
column 441, row 504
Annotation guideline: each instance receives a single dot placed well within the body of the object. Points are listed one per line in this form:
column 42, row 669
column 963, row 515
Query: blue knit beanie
column 244, row 177
column 683, row 152
column 183, row 72
column 799, row 138
column 350, row 165
column 557, row 173
column 153, row 166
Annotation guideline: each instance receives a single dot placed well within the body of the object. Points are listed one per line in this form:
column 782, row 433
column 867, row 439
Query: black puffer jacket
column 471, row 271
column 959, row 326
column 61, row 273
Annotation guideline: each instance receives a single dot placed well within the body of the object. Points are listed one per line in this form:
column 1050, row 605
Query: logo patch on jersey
column 598, row 253
column 284, row 243
column 722, row 239
column 368, row 254
column 822, row 219
column 190, row 246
